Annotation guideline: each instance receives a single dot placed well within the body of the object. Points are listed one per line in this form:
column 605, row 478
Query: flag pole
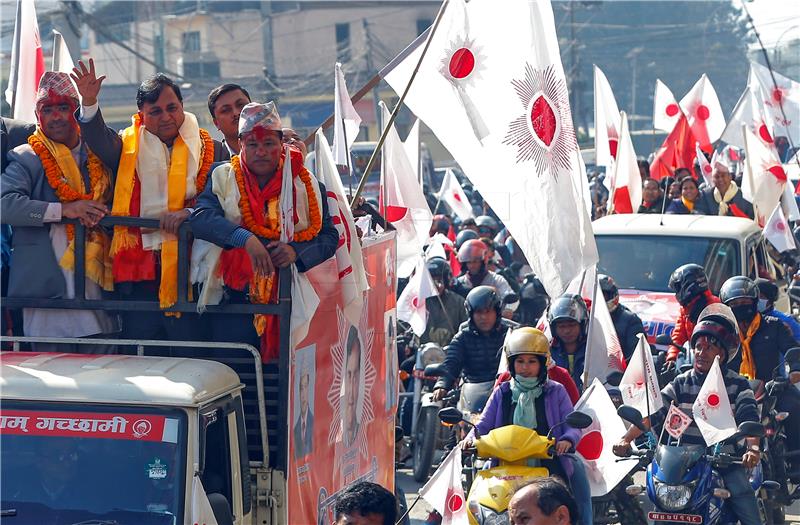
column 591, row 324
column 402, row 99
column 647, row 375
column 15, row 66
column 750, row 172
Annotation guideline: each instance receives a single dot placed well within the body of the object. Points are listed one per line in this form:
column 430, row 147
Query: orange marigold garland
column 273, row 233
column 207, row 159
column 58, row 182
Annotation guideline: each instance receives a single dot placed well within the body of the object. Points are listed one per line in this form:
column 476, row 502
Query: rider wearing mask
column 474, row 256
column 568, row 318
column 626, row 323
column 446, row 310
column 714, row 335
column 475, row 349
column 764, row 338
column 531, row 400
column 690, row 284
column 767, row 295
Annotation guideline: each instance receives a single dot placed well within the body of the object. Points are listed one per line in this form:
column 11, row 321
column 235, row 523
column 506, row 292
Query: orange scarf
column 689, row 204
column 748, row 366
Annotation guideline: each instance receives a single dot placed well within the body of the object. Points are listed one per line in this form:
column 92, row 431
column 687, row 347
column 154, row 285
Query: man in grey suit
column 304, row 426
column 33, row 205
column 724, row 198
column 161, row 124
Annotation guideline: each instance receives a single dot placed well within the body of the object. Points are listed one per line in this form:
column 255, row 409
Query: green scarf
column 524, row 391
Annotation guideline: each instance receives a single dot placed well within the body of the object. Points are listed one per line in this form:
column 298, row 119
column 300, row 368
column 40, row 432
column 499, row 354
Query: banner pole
column 402, row 99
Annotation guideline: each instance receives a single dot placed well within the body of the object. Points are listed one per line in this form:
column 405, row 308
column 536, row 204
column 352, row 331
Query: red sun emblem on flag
column 590, row 445
column 764, row 133
column 462, row 61
column 778, row 172
column 707, row 168
column 544, row 132
column 455, row 502
column 702, row 112
column 780, row 226
column 456, row 196
column 672, row 109
column 713, row 400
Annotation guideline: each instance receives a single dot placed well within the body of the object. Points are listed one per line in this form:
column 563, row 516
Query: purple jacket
column 556, row 406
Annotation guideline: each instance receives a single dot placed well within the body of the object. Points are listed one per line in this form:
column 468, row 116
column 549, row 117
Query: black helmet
column 532, row 300
column 440, row 269
column 486, row 222
column 688, row 281
column 464, row 236
column 717, row 321
column 608, row 287
column 481, row 298
column 568, row 307
column 739, row 287
column 768, row 289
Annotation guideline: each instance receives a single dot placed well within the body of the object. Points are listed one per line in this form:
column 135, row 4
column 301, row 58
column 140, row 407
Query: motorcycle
column 684, row 483
column 426, row 430
column 511, row 446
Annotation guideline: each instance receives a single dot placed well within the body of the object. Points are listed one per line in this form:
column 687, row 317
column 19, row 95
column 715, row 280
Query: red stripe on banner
column 135, row 427
column 345, row 272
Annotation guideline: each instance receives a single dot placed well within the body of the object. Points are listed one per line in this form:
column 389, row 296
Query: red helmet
column 473, row 250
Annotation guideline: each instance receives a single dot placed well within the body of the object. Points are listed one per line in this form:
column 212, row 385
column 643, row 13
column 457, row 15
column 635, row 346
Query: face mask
column 744, row 312
column 763, row 305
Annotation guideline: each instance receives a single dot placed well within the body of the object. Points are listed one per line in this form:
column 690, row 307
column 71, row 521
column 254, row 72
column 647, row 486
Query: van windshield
column 645, row 262
column 71, row 464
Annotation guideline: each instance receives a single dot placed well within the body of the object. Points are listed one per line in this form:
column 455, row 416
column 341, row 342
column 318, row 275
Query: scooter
column 511, row 446
column 683, row 481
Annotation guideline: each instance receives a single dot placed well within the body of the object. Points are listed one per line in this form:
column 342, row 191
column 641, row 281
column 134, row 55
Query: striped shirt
column 684, row 390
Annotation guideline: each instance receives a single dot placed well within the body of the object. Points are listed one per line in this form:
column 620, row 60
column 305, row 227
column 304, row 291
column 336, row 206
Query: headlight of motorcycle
column 491, row 517
column 431, row 354
column 673, row 497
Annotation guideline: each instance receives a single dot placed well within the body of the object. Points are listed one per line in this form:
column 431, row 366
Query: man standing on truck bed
column 56, row 176
column 239, row 213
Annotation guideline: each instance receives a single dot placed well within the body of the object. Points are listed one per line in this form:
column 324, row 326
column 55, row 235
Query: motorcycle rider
column 446, row 310
column 533, row 401
column 690, row 284
column 767, row 295
column 627, row 324
column 464, row 236
column 569, row 323
column 789, row 401
column 533, row 301
column 764, row 338
column 489, row 227
column 716, row 334
column 474, row 256
column 475, row 349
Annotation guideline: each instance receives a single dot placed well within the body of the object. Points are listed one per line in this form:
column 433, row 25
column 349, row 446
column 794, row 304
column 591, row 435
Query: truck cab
column 640, row 251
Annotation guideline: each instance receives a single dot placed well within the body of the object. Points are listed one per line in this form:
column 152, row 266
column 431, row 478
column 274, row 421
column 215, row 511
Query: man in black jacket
column 475, row 349
column 725, row 198
column 626, row 323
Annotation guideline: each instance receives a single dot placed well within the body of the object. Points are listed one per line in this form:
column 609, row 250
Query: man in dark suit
column 13, row 133
column 725, row 198
column 161, row 163
column 304, row 426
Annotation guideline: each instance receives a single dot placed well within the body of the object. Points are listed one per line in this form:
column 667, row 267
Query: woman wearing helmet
column 474, row 256
column 716, row 335
column 532, row 400
column 690, row 284
column 764, row 338
column 568, row 318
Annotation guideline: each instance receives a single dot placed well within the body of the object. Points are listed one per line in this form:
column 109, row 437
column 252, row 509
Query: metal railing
column 282, row 308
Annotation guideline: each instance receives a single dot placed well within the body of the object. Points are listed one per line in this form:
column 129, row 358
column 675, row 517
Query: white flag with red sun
column 712, row 409
column 492, row 89
column 444, row 491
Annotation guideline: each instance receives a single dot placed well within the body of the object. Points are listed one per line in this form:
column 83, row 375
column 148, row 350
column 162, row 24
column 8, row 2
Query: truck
column 640, row 251
column 152, row 433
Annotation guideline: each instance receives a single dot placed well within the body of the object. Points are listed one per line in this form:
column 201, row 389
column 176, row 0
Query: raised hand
column 87, row 82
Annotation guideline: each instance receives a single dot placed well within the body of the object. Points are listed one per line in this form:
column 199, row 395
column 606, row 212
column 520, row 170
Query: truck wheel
column 425, row 443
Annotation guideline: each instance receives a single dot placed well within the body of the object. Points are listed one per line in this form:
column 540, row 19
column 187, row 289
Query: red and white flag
column 677, row 151
column 453, row 195
column 666, row 110
column 764, row 176
column 781, row 99
column 705, row 166
column 412, row 148
column 27, row 63
column 202, row 513
column 788, row 202
column 345, row 120
column 702, row 109
column 606, row 121
column 403, row 201
column 641, row 379
column 676, row 422
column 444, row 491
column 517, row 145
column 627, row 184
column 597, row 441
column 749, row 111
column 712, row 409
column 603, row 350
column 778, row 232
column 349, row 260
column 411, row 306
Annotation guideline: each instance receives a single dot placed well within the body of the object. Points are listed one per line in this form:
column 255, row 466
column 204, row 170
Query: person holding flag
column 715, row 338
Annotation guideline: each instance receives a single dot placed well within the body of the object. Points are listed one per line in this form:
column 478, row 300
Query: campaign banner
column 137, row 427
column 343, row 390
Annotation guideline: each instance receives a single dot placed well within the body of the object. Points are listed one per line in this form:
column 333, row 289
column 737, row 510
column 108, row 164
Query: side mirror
column 435, row 370
column 451, row 416
column 614, row 378
column 792, row 355
column 632, row 416
column 664, row 340
column 751, row 429
column 510, row 298
column 579, row 420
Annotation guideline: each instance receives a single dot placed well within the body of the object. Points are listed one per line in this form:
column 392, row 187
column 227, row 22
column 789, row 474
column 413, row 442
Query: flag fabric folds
column 412, row 149
column 704, row 113
column 712, row 409
column 764, row 176
column 411, row 306
column 345, row 120
column 453, row 195
column 606, row 121
column 62, row 60
column 627, row 182
column 666, row 110
column 444, row 491
column 202, row 513
column 641, row 379
column 781, row 100
column 603, row 349
column 677, row 151
column 518, row 145
column 778, row 232
column 27, row 63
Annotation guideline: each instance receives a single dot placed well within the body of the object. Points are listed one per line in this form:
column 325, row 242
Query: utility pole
column 67, row 23
column 375, row 94
column 268, row 49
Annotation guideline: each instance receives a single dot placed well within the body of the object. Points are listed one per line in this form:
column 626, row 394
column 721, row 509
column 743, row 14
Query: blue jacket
column 561, row 358
column 788, row 320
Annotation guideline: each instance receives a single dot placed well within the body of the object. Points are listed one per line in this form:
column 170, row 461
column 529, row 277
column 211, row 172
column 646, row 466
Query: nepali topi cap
column 255, row 115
